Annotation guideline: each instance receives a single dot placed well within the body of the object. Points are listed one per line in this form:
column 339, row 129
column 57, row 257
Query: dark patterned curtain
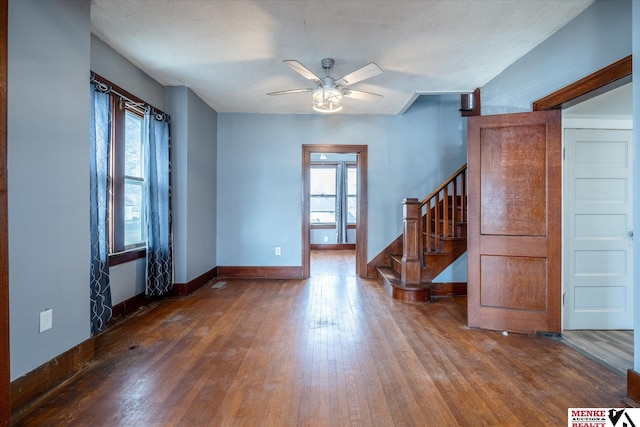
column 158, row 198
column 99, row 135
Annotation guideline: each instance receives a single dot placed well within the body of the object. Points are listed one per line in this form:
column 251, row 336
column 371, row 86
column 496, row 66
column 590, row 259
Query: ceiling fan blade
column 284, row 92
column 302, row 70
column 360, row 74
column 362, row 95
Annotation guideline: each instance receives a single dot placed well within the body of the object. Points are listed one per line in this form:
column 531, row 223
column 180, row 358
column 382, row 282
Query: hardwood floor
column 333, row 350
column 613, row 349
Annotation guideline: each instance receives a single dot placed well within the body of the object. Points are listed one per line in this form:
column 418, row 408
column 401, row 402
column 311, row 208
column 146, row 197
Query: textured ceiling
column 230, row 53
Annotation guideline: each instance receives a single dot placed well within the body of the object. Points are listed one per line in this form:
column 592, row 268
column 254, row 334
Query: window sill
column 329, row 225
column 127, row 256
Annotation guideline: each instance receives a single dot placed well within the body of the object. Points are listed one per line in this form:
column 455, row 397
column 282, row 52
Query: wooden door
column 598, row 229
column 514, row 225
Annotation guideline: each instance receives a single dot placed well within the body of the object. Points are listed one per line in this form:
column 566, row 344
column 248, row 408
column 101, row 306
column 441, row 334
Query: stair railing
column 442, row 211
column 428, row 222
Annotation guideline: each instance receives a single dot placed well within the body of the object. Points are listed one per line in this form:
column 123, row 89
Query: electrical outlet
column 46, row 320
column 278, row 250
column 326, row 238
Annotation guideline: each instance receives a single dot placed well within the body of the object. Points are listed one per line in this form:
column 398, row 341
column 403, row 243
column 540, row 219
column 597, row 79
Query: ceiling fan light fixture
column 327, row 97
column 327, row 100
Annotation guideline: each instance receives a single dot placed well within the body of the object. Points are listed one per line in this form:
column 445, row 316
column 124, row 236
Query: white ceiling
column 230, row 53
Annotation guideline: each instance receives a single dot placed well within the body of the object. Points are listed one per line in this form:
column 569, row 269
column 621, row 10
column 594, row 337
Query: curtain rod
column 105, row 86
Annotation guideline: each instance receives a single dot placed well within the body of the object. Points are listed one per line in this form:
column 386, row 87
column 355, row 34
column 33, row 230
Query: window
column 322, row 194
column 134, row 231
column 323, row 189
column 352, row 193
column 127, row 221
column 120, row 182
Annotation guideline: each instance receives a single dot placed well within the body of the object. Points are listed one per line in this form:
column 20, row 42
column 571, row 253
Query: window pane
column 351, row 210
column 352, row 191
column 133, row 145
column 323, row 181
column 352, row 181
column 134, row 224
column 322, row 209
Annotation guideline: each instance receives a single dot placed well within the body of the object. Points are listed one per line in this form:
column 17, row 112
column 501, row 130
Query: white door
column 598, row 275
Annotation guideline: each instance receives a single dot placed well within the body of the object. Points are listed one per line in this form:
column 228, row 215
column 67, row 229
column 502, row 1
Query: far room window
column 323, row 200
column 322, row 194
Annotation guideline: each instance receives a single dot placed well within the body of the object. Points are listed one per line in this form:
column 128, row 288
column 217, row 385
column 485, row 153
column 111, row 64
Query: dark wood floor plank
column 333, row 350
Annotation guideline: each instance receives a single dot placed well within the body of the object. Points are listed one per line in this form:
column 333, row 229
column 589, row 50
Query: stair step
column 415, row 292
column 448, row 289
column 433, row 236
column 435, row 253
column 396, row 262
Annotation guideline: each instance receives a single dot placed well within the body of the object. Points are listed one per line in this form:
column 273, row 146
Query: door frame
column 362, row 202
column 610, row 77
column 5, row 369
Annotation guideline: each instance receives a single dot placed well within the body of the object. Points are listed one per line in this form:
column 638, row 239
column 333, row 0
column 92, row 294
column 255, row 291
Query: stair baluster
column 440, row 209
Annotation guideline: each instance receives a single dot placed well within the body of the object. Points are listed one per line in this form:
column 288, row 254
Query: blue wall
column 48, row 175
column 51, row 54
column 597, row 37
column 260, row 173
column 193, row 168
column 117, row 69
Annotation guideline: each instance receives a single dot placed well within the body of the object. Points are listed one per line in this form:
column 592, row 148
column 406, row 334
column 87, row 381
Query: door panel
column 514, row 229
column 505, row 159
column 598, row 207
column 498, row 271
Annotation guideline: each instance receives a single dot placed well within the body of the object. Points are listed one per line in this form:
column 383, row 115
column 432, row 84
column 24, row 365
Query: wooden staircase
column 435, row 235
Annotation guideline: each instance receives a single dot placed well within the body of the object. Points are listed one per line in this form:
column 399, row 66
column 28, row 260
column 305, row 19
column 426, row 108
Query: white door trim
column 575, row 123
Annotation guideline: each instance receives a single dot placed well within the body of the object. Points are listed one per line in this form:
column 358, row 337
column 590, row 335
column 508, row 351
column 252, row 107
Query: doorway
column 333, row 199
column 598, row 208
column 332, row 213
column 577, row 94
column 598, row 221
column 598, row 228
column 360, row 163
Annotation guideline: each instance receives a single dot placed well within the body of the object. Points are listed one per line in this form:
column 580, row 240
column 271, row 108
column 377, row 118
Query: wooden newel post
column 411, row 241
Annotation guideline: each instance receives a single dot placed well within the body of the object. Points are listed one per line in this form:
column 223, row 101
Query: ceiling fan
column 327, row 96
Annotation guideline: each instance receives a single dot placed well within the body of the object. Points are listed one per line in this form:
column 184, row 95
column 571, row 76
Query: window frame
column 118, row 251
column 117, row 254
column 324, row 165
column 352, row 165
column 334, row 166
column 132, row 103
